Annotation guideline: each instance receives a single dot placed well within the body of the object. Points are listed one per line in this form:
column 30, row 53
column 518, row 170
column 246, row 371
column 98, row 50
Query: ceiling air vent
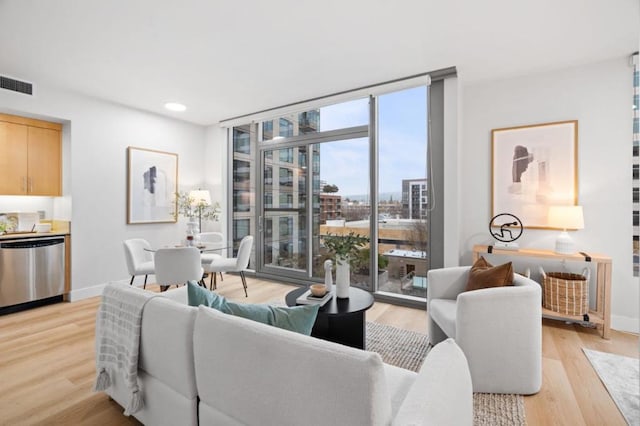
column 16, row 85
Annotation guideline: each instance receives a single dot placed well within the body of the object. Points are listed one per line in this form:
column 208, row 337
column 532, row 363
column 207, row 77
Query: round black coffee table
column 340, row 320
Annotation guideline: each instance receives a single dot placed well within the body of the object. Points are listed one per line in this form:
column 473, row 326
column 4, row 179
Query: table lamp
column 566, row 217
column 201, row 198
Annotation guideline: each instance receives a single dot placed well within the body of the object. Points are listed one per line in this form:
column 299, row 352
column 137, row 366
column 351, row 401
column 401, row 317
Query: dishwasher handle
column 32, row 242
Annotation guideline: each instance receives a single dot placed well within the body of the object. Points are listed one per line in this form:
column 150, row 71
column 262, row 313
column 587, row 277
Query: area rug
column 407, row 349
column 621, row 376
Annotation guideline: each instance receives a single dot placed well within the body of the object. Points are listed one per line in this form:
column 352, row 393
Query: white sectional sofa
column 200, row 366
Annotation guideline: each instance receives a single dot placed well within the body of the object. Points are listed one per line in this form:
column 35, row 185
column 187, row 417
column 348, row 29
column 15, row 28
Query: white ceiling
column 226, row 58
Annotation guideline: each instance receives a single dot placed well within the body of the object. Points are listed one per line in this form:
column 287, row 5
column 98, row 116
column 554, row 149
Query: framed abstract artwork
column 152, row 183
column 534, row 167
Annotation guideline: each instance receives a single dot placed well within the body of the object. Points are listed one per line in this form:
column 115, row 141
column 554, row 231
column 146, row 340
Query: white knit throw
column 118, row 325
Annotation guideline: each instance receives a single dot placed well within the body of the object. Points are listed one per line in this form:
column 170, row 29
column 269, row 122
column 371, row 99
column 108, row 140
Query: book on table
column 308, row 299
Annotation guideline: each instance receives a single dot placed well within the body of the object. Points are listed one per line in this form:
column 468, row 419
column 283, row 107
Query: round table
column 340, row 320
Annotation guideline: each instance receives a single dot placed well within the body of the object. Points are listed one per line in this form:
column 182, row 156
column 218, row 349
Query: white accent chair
column 139, row 258
column 234, row 264
column 499, row 329
column 177, row 266
column 211, row 241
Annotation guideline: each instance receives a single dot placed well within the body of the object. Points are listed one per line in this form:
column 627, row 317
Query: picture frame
column 152, row 183
column 534, row 167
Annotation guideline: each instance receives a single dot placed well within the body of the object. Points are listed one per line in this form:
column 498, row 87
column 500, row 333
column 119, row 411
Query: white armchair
column 499, row 329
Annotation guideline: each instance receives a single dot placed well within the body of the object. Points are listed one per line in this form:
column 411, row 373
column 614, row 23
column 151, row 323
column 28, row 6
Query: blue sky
column 402, row 149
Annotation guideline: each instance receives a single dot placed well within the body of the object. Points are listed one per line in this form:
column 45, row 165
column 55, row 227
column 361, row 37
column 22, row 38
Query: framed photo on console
column 152, row 183
column 534, row 167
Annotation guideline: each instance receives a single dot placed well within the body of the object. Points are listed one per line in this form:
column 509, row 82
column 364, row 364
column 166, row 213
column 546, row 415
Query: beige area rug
column 621, row 376
column 407, row 349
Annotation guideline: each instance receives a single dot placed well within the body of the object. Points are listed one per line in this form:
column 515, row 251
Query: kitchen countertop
column 32, row 235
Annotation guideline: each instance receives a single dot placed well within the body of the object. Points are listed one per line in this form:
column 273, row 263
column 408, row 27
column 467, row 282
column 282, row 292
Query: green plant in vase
column 345, row 248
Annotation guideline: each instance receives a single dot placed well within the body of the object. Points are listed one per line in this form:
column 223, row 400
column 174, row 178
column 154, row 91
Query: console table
column 340, row 320
column 601, row 315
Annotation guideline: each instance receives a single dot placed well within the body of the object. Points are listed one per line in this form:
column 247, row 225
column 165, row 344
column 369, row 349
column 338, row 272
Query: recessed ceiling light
column 174, row 106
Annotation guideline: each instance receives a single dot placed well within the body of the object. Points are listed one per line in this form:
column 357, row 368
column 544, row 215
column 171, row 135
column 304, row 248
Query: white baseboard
column 620, row 323
column 93, row 291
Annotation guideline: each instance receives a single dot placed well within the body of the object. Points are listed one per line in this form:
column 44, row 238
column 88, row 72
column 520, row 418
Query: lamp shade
column 200, row 197
column 566, row 217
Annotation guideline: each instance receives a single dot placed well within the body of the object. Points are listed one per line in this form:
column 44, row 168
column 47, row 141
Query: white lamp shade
column 200, row 196
column 566, row 217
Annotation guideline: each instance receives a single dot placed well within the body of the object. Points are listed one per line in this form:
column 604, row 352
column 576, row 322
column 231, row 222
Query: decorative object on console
column 506, row 237
column 534, row 167
column 152, row 181
column 345, row 248
column 566, row 217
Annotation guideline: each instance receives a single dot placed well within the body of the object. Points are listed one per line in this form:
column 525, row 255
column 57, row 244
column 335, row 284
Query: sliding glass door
column 291, row 225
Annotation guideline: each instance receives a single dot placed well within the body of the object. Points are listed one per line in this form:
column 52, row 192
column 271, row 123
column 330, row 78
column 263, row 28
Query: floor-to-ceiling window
column 403, row 192
column 364, row 165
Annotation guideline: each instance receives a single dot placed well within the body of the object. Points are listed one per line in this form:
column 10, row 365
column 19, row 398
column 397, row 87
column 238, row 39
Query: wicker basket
column 565, row 293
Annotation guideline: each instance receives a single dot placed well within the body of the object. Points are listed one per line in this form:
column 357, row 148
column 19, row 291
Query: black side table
column 340, row 320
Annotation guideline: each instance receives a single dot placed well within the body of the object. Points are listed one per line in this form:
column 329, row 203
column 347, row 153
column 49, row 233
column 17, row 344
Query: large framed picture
column 534, row 167
column 152, row 183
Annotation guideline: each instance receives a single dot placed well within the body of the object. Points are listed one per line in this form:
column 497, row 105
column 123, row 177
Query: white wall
column 599, row 96
column 19, row 203
column 215, row 174
column 97, row 134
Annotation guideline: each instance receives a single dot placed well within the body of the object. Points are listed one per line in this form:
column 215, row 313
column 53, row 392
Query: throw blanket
column 118, row 325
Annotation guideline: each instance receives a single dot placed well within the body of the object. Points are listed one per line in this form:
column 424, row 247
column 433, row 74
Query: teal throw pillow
column 296, row 318
column 197, row 295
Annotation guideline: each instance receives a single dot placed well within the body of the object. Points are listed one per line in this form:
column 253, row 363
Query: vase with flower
column 345, row 248
column 196, row 205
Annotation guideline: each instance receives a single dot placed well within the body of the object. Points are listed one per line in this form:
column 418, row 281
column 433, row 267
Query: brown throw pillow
column 484, row 275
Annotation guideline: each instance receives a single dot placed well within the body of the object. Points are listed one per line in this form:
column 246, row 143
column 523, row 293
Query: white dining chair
column 139, row 258
column 234, row 264
column 177, row 266
column 211, row 241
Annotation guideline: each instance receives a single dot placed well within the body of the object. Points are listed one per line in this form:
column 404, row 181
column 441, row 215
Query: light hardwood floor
column 47, row 364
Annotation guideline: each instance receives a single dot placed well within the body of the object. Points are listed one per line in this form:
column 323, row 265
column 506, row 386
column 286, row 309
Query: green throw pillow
column 296, row 318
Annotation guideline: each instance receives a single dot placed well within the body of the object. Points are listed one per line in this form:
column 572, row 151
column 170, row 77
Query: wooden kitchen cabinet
column 30, row 156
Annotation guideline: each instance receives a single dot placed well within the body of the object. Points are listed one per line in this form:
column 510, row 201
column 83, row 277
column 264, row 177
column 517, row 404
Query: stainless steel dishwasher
column 31, row 269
